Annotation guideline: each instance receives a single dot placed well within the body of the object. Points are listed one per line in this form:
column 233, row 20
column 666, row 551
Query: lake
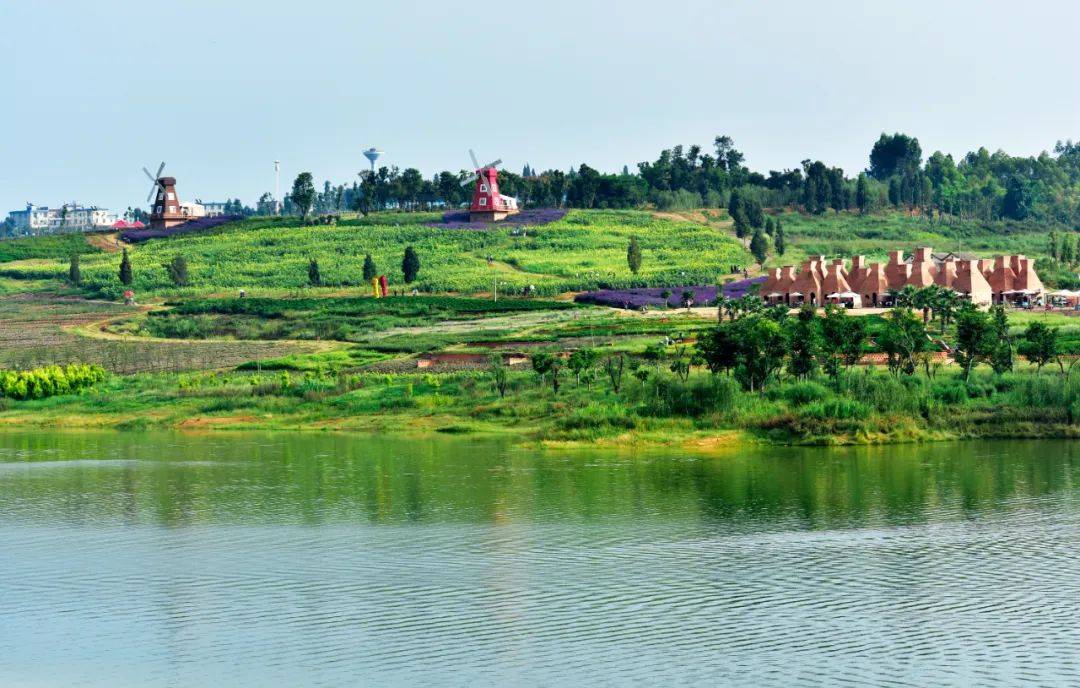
column 161, row 559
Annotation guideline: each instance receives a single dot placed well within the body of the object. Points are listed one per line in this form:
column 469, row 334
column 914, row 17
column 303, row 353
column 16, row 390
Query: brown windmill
column 165, row 211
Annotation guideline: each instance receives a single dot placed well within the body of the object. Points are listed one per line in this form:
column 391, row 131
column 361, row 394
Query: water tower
column 372, row 154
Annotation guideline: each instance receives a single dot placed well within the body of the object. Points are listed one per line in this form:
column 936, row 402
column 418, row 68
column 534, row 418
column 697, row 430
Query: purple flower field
column 459, row 219
column 133, row 236
column 654, row 296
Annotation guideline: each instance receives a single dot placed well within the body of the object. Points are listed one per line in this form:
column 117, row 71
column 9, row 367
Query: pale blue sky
column 91, row 91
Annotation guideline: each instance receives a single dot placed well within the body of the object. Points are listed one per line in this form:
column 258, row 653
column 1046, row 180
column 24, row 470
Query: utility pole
column 277, row 187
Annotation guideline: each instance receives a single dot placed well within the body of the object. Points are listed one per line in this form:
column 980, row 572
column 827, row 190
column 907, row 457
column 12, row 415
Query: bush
column 40, row 383
column 837, row 408
column 801, row 393
column 665, row 396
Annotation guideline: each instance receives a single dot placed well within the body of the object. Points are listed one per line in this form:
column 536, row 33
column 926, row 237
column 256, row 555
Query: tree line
column 980, row 185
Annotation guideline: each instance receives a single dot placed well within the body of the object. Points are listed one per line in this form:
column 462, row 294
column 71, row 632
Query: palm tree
column 946, row 304
column 925, row 299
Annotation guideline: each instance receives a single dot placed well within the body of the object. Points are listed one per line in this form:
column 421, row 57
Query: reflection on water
column 171, row 560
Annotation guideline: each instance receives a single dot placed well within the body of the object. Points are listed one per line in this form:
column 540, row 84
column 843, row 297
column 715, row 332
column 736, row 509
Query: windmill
column 488, row 205
column 165, row 210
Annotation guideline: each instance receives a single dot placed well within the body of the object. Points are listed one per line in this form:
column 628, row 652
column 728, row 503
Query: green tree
column 410, row 265
column 1001, row 343
column 1039, row 345
column 633, row 255
column 897, row 154
column 903, row 340
column 547, row 367
column 862, row 194
column 313, row 274
column 74, row 273
column 752, row 347
column 843, row 340
column 1054, row 254
column 370, row 270
column 126, row 276
column 581, row 361
column 303, row 193
column 500, row 374
column 759, row 246
column 178, row 271
column 778, row 238
column 974, row 338
column 804, row 343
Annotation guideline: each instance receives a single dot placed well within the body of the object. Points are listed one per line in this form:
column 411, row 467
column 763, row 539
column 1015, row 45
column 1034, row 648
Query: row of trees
column 177, row 269
column 755, row 344
column 980, row 185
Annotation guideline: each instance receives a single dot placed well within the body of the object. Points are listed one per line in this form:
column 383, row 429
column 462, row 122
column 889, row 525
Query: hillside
column 582, row 251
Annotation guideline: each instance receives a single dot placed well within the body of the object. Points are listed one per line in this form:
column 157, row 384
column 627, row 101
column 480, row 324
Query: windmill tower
column 165, row 211
column 488, row 205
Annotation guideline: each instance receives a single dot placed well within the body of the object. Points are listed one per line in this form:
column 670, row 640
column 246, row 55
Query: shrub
column 837, row 408
column 40, row 383
column 665, row 396
column 801, row 393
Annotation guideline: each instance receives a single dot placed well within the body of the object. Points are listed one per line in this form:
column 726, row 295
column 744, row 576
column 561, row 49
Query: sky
column 92, row 91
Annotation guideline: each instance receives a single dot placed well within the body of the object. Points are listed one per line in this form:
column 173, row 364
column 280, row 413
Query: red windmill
column 488, row 205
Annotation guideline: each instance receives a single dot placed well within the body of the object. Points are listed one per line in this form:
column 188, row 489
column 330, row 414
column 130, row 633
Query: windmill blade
column 475, row 162
column 152, row 190
column 493, row 164
column 150, row 176
column 469, row 180
column 159, row 169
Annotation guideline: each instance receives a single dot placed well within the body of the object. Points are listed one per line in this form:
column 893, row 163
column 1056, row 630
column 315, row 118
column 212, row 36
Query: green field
column 584, row 250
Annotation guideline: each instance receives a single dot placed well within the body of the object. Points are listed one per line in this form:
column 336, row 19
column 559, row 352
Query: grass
column 61, row 246
column 584, row 250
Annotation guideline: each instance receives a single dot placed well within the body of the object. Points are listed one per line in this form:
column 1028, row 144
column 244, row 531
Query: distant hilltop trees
column 979, row 186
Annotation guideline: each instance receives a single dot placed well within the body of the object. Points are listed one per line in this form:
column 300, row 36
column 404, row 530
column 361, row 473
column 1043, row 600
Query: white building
column 213, row 208
column 67, row 218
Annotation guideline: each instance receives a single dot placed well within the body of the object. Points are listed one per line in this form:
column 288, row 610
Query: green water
column 298, row 559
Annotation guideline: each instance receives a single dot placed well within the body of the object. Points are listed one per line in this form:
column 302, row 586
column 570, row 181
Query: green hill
column 584, row 250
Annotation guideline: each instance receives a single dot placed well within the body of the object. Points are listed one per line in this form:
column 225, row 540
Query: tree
column 1001, row 343
column 974, row 338
column 752, row 346
column 903, row 340
column 613, row 366
column 895, row 154
column 547, row 365
column 303, row 193
column 178, row 271
column 410, row 265
column 500, row 372
column 582, row 361
column 1017, row 202
column 1039, row 345
column 313, row 274
column 125, row 269
column 759, row 246
column 633, row 255
column 1054, row 253
column 74, row 273
column 370, row 270
column 862, row 194
column 778, row 238
column 843, row 339
column 804, row 343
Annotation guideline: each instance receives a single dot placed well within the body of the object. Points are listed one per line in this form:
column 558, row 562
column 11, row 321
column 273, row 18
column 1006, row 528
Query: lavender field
column 459, row 219
column 657, row 297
